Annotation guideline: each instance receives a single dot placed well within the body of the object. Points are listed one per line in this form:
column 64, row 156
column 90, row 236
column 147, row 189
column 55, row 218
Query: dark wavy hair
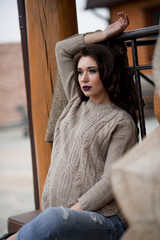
column 115, row 77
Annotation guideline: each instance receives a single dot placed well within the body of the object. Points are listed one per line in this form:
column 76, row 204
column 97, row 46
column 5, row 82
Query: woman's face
column 90, row 82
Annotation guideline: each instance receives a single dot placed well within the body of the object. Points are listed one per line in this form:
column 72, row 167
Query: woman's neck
column 103, row 99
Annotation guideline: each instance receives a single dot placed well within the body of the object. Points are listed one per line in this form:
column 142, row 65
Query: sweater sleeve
column 65, row 51
column 123, row 138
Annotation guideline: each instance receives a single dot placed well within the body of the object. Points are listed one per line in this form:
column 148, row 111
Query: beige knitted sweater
column 88, row 138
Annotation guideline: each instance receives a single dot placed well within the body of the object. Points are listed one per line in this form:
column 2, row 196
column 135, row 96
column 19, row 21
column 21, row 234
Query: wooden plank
column 47, row 23
column 16, row 222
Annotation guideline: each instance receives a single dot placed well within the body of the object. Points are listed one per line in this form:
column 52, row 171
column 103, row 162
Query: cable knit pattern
column 88, row 138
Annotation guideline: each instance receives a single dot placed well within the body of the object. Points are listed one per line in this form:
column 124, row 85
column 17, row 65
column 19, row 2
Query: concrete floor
column 16, row 183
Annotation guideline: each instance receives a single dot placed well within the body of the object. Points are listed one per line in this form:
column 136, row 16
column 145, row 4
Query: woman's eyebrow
column 88, row 67
column 92, row 67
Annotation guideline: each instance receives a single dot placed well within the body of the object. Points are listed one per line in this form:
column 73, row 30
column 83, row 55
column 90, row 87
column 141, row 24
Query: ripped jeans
column 65, row 224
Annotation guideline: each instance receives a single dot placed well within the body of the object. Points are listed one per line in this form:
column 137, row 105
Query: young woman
column 97, row 126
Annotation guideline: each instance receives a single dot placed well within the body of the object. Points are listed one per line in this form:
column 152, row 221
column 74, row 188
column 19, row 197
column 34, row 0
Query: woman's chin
column 87, row 94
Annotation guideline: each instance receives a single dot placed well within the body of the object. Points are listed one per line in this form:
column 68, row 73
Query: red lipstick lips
column 86, row 88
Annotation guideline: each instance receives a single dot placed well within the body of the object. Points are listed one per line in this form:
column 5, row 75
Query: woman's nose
column 84, row 77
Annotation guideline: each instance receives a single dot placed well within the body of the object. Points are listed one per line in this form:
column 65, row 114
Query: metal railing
column 134, row 39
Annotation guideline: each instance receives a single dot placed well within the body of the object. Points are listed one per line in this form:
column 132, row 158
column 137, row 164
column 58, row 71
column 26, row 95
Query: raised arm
column 65, row 52
column 110, row 31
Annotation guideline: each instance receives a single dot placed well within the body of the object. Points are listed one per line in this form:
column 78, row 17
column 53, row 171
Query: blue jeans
column 65, row 224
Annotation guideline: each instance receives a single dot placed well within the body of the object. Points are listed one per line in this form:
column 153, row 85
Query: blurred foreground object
column 136, row 182
column 136, row 178
column 156, row 65
column 156, row 74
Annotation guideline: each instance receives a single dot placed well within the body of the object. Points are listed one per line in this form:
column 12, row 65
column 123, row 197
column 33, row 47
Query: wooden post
column 48, row 21
column 157, row 105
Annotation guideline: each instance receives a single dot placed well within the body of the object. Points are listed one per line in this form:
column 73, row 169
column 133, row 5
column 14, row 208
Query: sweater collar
column 91, row 105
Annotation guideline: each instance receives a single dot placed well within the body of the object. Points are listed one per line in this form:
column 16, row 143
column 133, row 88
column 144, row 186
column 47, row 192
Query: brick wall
column 12, row 84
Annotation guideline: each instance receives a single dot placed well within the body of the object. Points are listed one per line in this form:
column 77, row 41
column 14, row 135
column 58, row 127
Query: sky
column 9, row 22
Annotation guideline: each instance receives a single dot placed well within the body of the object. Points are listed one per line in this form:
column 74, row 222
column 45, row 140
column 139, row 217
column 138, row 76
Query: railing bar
column 141, row 67
column 143, row 42
column 138, row 33
column 139, row 91
column 147, row 79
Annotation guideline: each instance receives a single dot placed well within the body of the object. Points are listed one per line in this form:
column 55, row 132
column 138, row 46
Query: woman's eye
column 93, row 70
column 79, row 72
